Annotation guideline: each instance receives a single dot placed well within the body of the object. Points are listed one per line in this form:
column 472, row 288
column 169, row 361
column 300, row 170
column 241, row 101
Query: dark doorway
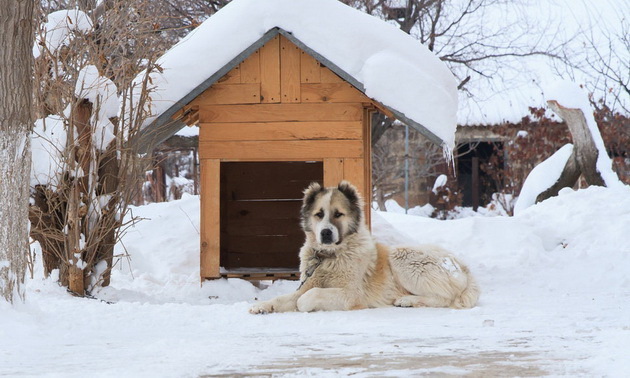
column 474, row 168
column 260, row 206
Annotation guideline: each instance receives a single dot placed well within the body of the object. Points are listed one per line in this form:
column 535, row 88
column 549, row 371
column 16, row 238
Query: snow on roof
column 392, row 67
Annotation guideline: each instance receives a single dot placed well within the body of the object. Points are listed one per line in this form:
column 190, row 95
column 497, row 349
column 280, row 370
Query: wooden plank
column 291, row 149
column 332, row 92
column 263, row 274
column 367, row 152
column 281, row 131
column 327, row 76
column 267, row 260
column 250, row 68
column 290, row 71
column 210, row 218
column 267, row 244
column 269, row 180
column 353, row 171
column 229, row 94
column 270, row 71
column 232, row 77
column 268, row 210
column 333, row 171
column 280, row 112
column 245, row 226
column 309, row 69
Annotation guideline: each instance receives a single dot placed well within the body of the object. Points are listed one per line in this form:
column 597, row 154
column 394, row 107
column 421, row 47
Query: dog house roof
column 380, row 60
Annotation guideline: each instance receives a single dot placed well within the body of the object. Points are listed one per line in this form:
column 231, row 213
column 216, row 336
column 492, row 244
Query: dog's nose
column 327, row 236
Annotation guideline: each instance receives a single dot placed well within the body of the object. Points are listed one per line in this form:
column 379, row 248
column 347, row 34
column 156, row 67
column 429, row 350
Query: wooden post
column 210, row 218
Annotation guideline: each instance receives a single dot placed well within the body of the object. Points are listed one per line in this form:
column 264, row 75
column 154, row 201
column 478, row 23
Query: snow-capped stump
column 586, row 157
column 283, row 93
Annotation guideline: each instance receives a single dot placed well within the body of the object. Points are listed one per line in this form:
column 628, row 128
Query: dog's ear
column 310, row 194
column 350, row 191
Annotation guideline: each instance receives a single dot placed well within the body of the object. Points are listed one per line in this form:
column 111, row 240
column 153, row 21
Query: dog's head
column 330, row 215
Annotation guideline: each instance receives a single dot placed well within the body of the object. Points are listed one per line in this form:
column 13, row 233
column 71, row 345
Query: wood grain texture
column 292, row 149
column 309, row 69
column 333, row 171
column 250, row 68
column 210, row 218
column 232, row 77
column 225, row 94
column 281, row 131
column 327, row 76
column 270, row 71
column 290, row 71
column 280, row 112
column 332, row 92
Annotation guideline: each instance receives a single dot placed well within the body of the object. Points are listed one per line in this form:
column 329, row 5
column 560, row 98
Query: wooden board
column 280, row 112
column 268, row 260
column 262, row 274
column 333, row 171
column 290, row 149
column 250, row 68
column 210, row 219
column 232, row 77
column 327, row 76
column 290, row 71
column 269, row 180
column 281, row 131
column 331, row 92
column 309, row 69
column 270, row 71
column 229, row 94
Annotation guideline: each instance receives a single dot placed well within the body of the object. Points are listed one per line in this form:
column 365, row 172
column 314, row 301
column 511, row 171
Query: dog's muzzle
column 326, row 236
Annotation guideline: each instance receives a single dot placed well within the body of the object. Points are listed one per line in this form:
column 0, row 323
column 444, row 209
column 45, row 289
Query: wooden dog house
column 276, row 117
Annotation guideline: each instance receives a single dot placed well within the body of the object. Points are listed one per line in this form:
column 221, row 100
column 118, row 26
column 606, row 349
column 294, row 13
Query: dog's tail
column 470, row 295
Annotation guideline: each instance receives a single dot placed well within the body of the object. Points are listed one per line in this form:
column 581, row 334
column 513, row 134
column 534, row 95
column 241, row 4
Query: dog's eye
column 338, row 214
column 320, row 214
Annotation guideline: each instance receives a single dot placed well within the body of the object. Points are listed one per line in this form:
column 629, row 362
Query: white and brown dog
column 343, row 268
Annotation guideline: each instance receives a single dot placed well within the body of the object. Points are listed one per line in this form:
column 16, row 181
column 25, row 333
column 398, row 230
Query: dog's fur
column 342, row 268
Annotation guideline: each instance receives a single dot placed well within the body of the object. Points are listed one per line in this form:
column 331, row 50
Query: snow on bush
column 58, row 29
column 48, row 143
column 101, row 92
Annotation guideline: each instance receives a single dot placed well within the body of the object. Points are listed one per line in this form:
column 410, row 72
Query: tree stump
column 583, row 160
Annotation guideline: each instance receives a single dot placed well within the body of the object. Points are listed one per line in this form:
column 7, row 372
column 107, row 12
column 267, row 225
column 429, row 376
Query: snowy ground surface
column 555, row 302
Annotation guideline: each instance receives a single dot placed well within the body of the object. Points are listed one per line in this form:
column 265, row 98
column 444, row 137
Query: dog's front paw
column 408, row 301
column 261, row 308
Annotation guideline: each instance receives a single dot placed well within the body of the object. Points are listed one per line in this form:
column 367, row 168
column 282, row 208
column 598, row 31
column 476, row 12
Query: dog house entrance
column 260, row 206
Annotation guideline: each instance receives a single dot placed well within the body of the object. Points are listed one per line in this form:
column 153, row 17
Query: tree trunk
column 569, row 176
column 583, row 159
column 583, row 145
column 16, row 64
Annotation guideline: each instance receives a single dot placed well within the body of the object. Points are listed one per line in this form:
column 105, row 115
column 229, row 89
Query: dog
column 343, row 268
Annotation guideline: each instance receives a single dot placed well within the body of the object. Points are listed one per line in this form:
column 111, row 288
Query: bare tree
column 83, row 80
column 16, row 39
column 458, row 33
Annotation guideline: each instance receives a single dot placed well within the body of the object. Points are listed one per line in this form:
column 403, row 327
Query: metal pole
column 406, row 168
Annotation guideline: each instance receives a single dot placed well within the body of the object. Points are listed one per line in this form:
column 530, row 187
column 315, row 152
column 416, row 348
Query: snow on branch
column 101, row 92
column 58, row 30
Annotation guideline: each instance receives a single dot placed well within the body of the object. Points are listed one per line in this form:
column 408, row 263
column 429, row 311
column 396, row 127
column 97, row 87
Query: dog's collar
column 319, row 256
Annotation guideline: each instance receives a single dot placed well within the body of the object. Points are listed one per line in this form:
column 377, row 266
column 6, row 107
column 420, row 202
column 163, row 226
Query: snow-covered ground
column 555, row 301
